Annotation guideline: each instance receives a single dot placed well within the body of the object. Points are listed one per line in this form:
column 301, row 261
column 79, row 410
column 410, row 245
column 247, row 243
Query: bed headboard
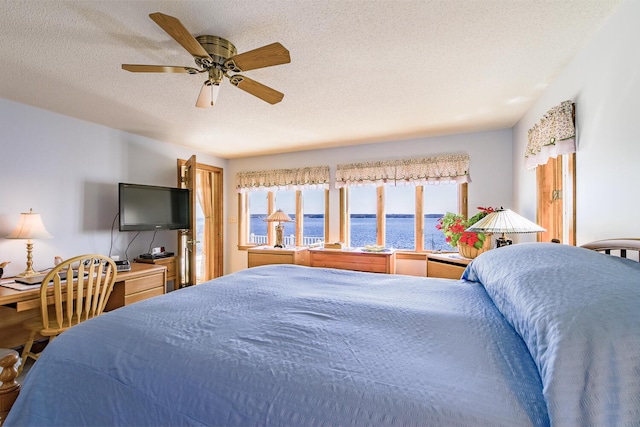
column 621, row 247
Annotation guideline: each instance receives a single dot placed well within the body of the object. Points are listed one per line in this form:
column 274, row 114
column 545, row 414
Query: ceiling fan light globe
column 215, row 90
column 208, row 95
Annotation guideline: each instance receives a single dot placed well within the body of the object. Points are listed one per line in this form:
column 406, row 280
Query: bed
column 534, row 334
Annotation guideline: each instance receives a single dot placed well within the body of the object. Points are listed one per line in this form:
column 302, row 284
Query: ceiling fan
column 217, row 57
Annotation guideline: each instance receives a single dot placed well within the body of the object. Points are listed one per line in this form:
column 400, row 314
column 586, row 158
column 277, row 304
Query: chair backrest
column 81, row 297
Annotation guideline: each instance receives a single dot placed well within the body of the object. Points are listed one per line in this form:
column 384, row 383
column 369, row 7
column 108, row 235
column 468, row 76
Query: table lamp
column 29, row 227
column 279, row 217
column 505, row 221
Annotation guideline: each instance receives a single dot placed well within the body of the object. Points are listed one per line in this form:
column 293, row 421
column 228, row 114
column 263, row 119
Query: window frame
column 244, row 216
column 345, row 217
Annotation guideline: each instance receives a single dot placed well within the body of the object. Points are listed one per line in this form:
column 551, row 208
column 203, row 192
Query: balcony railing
column 289, row 240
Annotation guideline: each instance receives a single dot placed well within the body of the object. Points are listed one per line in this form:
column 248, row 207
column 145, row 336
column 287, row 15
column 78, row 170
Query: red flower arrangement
column 454, row 225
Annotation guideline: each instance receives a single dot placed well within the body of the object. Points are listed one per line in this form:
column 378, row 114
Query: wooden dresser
column 264, row 255
column 357, row 260
column 447, row 266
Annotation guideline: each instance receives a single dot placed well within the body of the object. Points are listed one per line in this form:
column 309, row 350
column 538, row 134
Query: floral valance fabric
column 554, row 135
column 429, row 170
column 309, row 178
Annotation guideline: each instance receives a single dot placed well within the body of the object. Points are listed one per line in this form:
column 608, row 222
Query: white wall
column 604, row 82
column 490, row 158
column 68, row 171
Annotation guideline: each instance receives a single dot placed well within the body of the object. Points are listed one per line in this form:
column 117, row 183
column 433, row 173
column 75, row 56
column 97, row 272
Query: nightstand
column 446, row 266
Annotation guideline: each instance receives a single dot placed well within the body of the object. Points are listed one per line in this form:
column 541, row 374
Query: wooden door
column 556, row 199
column 186, row 238
column 209, row 190
column 203, row 246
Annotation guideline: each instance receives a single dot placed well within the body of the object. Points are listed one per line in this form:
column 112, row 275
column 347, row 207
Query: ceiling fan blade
column 175, row 29
column 263, row 92
column 135, row 68
column 265, row 56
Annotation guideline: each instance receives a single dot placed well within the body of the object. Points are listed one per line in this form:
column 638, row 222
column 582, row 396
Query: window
column 400, row 217
column 438, row 200
column 551, row 150
column 307, row 227
column 262, row 192
column 362, row 216
column 286, row 200
column 405, row 197
column 314, row 218
column 258, row 205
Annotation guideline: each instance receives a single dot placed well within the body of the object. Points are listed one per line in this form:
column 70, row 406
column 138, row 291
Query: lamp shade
column 278, row 216
column 505, row 221
column 30, row 226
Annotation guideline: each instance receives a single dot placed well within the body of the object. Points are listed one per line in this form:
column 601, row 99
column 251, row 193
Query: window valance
column 429, row 170
column 314, row 177
column 554, row 135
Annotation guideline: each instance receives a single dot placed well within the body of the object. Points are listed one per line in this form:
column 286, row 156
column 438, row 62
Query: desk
column 143, row 281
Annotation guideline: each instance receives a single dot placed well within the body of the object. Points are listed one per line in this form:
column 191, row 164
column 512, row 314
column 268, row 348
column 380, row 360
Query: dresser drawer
column 139, row 296
column 444, row 270
column 168, row 262
column 356, row 261
column 350, row 263
column 140, row 284
column 266, row 259
column 263, row 255
column 446, row 265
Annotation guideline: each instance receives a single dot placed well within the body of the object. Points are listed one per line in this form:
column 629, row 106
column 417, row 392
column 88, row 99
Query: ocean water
column 399, row 233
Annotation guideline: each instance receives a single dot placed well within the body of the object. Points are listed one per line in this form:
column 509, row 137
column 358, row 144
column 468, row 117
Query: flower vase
column 472, row 252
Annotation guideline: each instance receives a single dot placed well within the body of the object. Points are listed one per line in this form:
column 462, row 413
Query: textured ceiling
column 360, row 71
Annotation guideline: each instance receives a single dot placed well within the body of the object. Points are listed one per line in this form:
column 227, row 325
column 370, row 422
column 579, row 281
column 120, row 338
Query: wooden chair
column 66, row 303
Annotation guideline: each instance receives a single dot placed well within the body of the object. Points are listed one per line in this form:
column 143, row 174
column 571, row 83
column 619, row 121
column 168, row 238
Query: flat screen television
column 150, row 207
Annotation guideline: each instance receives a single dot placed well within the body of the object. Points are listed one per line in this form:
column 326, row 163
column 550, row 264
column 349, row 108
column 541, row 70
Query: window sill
column 245, row 247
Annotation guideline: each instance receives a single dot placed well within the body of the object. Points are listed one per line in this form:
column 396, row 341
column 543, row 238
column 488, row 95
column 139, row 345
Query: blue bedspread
column 290, row 345
column 579, row 313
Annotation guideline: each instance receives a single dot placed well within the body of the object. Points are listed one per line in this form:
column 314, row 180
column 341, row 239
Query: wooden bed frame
column 8, row 358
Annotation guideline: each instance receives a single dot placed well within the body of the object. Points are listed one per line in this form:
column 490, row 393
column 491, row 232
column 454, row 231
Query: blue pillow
column 578, row 312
